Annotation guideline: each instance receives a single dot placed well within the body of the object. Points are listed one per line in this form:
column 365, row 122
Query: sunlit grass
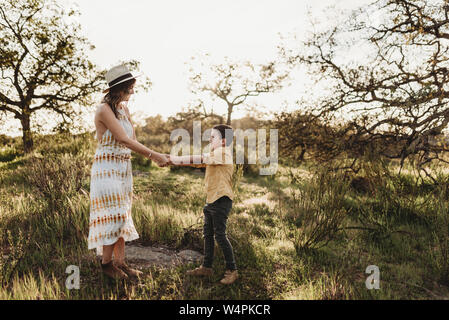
column 31, row 287
column 401, row 226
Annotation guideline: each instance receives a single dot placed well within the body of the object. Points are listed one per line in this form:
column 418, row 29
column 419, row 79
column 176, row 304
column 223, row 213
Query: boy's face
column 215, row 139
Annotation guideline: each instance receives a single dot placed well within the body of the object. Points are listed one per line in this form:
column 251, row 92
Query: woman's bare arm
column 107, row 117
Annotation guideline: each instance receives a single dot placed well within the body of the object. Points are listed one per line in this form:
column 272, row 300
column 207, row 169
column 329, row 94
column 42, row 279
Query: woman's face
column 127, row 95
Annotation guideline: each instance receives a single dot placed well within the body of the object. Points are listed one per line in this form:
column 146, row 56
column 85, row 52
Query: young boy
column 218, row 182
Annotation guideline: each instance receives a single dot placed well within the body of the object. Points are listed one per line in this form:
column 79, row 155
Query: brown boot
column 112, row 271
column 129, row 271
column 200, row 271
column 229, row 277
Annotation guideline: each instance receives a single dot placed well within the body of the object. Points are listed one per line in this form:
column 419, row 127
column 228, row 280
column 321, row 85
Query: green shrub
column 440, row 234
column 57, row 178
column 319, row 211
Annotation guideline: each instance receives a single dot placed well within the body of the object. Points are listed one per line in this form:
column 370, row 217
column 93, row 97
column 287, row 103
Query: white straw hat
column 117, row 75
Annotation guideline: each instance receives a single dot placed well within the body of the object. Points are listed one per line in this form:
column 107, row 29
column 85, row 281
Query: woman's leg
column 119, row 259
column 107, row 253
column 119, row 251
column 107, row 265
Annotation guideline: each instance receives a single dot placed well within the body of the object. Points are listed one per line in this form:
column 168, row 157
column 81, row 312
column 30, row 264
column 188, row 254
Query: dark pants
column 215, row 218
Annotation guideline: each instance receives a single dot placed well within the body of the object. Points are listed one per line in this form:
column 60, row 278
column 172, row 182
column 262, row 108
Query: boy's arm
column 218, row 156
column 193, row 160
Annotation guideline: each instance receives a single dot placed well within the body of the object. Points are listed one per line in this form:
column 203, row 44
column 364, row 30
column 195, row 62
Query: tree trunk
column 27, row 138
column 228, row 121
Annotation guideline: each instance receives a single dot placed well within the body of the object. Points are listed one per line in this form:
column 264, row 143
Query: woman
column 111, row 192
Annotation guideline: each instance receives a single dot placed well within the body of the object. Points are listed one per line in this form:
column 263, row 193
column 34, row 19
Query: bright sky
column 163, row 35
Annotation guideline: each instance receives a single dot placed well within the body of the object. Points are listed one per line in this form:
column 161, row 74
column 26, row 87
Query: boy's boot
column 230, row 277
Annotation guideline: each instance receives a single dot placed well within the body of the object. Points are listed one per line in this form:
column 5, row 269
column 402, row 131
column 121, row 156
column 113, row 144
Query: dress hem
column 99, row 247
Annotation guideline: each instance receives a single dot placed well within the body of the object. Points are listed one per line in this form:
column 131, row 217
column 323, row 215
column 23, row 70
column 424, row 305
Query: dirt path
column 145, row 257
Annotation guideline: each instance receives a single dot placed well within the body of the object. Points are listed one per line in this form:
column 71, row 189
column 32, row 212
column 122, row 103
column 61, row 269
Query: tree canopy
column 43, row 63
column 233, row 82
column 395, row 95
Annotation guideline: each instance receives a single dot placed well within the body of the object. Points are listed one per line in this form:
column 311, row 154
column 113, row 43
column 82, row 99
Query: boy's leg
column 220, row 217
column 208, row 232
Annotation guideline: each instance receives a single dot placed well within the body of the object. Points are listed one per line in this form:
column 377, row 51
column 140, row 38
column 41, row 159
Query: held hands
column 170, row 160
column 162, row 160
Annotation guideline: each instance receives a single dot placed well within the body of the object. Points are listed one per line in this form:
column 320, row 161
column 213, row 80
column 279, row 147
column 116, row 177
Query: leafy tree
column 43, row 63
column 308, row 137
column 234, row 82
column 396, row 94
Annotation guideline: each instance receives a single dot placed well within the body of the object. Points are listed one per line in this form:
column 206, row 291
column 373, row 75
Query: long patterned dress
column 111, row 191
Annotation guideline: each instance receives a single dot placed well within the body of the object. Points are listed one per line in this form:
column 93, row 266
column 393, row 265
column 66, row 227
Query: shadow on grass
column 250, row 284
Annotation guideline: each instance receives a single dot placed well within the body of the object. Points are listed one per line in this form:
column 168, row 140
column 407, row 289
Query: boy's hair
column 226, row 132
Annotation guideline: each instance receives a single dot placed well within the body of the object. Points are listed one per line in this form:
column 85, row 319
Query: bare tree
column 43, row 64
column 396, row 95
column 234, row 82
column 196, row 111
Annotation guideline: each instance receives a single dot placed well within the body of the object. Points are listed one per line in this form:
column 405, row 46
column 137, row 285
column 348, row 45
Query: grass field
column 297, row 235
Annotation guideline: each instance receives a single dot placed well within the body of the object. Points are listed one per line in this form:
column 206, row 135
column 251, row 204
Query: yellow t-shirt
column 219, row 170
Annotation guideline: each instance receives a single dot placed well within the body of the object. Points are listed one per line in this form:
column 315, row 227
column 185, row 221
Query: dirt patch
column 160, row 256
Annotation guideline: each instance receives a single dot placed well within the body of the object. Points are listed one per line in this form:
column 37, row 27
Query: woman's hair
column 116, row 93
